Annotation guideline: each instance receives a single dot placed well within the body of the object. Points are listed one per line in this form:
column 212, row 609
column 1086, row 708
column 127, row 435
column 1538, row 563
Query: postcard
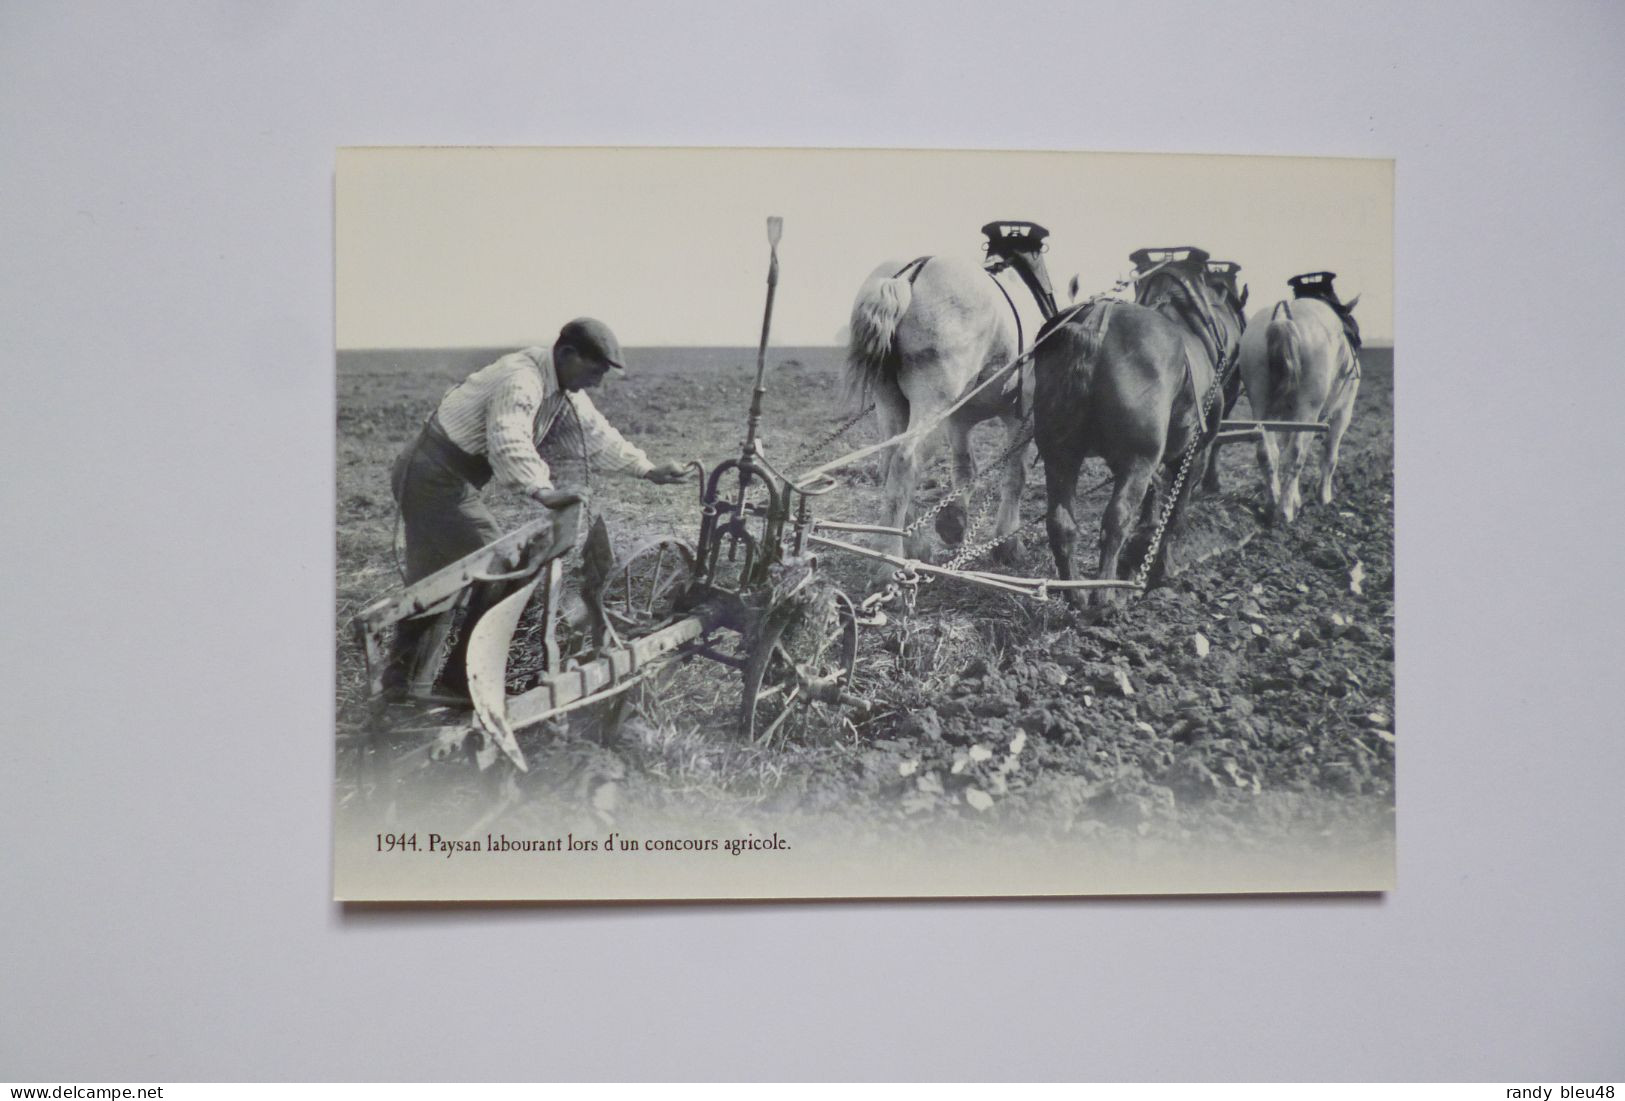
column 839, row 523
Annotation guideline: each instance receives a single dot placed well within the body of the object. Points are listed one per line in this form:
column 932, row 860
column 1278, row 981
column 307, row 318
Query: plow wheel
column 642, row 592
column 800, row 666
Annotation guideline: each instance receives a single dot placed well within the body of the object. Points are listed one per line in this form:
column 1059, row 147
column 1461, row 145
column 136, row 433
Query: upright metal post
column 775, row 228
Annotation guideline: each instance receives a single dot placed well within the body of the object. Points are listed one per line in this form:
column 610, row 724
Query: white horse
column 922, row 334
column 1300, row 361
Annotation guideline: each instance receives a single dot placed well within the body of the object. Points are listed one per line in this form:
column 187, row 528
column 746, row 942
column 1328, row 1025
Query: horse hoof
column 1104, row 606
column 1007, row 553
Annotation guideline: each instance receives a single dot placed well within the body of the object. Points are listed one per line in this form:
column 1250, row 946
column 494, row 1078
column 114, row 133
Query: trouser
column 441, row 507
column 445, row 519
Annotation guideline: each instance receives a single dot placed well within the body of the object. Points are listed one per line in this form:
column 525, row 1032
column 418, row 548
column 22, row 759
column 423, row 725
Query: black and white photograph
column 845, row 542
column 725, row 523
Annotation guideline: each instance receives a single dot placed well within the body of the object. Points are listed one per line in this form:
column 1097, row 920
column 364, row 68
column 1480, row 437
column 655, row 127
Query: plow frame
column 1243, row 431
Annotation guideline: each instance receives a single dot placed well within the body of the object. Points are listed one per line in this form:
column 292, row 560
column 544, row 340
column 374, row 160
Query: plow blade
column 488, row 669
column 515, row 554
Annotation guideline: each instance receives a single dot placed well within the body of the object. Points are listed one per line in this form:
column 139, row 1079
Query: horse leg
column 1210, row 476
column 1060, row 487
column 1130, row 490
column 901, row 465
column 1269, row 463
column 953, row 522
column 1334, row 442
column 1293, row 454
column 1015, row 480
column 1172, row 531
column 1154, row 491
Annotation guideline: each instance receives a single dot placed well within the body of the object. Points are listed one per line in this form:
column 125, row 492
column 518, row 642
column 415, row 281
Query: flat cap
column 592, row 337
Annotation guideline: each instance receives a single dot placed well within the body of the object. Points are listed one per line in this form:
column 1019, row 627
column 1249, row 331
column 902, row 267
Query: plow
column 746, row 594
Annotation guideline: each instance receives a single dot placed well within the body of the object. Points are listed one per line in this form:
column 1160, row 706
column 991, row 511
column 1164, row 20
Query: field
column 1249, row 702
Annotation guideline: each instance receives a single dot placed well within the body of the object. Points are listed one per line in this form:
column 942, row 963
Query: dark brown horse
column 1138, row 384
column 1222, row 276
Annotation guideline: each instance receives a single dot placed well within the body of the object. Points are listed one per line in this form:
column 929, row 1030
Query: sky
column 476, row 247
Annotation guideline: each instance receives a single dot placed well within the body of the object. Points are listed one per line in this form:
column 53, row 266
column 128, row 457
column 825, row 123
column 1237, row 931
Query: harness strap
column 1353, row 370
column 1016, row 383
column 1223, row 363
column 1076, row 311
column 1209, row 331
column 1021, row 339
column 912, row 268
column 1196, row 395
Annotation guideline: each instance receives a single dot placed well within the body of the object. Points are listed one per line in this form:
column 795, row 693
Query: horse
column 1300, row 360
column 925, row 332
column 1221, row 276
column 1136, row 384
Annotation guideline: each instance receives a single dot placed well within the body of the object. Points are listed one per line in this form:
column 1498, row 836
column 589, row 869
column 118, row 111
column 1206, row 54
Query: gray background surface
column 166, row 323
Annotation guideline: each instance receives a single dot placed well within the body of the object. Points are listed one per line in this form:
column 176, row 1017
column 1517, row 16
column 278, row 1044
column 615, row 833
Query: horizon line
column 1369, row 342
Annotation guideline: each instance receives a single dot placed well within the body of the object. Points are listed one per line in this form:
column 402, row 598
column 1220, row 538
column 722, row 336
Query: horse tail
column 1284, row 355
column 1090, row 336
column 1064, row 359
column 871, row 354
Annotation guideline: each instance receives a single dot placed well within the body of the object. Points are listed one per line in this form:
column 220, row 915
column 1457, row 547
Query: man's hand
column 668, row 474
column 558, row 498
